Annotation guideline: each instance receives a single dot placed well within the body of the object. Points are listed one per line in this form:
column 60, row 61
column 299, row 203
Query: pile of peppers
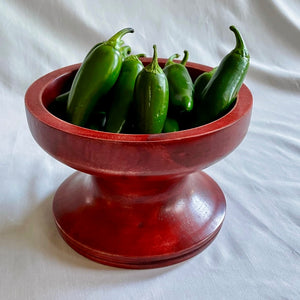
column 113, row 91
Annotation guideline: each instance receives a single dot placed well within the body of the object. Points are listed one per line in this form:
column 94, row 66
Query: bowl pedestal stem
column 139, row 222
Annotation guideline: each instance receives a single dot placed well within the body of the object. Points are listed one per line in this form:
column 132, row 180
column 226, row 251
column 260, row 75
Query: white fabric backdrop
column 256, row 254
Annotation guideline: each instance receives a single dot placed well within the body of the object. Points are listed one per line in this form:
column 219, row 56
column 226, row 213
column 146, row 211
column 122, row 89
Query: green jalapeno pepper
column 181, row 86
column 200, row 83
column 58, row 107
column 170, row 125
column 96, row 76
column 221, row 90
column 122, row 93
column 151, row 97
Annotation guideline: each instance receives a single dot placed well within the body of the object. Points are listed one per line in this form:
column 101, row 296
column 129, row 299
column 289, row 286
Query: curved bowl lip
column 34, row 104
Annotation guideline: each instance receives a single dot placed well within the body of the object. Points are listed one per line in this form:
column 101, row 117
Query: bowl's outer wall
column 103, row 154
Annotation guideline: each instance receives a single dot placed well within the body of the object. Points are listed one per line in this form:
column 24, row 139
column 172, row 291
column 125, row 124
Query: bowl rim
column 34, row 105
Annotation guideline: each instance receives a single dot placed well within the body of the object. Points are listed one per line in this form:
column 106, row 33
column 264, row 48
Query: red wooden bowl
column 137, row 200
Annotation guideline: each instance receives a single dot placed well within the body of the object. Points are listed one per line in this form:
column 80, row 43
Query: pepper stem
column 154, row 66
column 135, row 57
column 171, row 58
column 116, row 39
column 185, row 57
column 154, row 59
column 240, row 44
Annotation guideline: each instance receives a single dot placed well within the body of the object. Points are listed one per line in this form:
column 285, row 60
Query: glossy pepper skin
column 151, row 98
column 181, row 86
column 221, row 91
column 122, row 93
column 96, row 76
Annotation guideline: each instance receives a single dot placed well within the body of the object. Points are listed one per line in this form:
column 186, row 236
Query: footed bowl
column 136, row 200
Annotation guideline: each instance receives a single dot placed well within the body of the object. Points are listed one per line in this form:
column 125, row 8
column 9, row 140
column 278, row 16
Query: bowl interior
column 62, row 83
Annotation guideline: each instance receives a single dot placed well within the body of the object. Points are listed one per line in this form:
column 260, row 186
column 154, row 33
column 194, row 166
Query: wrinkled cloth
column 256, row 254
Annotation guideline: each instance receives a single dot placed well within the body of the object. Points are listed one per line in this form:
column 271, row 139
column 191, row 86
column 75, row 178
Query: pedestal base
column 139, row 223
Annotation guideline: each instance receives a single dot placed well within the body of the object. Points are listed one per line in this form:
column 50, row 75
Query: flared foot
column 153, row 225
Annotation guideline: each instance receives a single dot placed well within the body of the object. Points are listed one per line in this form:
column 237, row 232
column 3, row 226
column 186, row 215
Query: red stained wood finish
column 137, row 200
